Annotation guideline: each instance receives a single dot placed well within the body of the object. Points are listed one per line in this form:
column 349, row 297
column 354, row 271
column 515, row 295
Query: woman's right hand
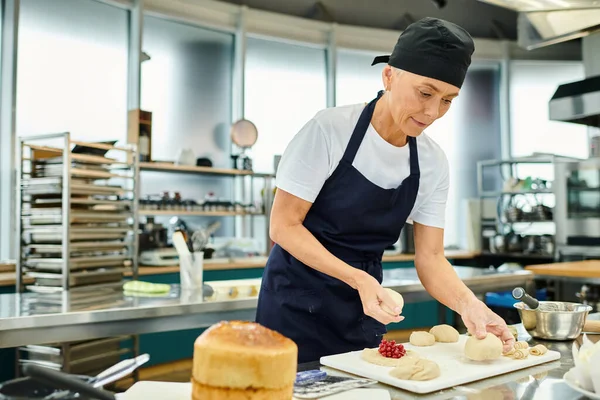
column 373, row 296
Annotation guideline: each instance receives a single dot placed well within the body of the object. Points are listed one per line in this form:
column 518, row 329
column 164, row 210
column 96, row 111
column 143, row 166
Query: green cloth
column 146, row 287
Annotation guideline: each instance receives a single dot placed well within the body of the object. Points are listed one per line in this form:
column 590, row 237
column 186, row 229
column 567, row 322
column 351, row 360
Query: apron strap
column 360, row 129
column 414, row 157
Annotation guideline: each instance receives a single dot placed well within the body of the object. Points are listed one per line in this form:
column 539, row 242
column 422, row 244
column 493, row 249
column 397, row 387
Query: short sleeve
column 433, row 211
column 304, row 165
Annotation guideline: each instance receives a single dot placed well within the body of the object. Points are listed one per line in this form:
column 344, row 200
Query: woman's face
column 416, row 101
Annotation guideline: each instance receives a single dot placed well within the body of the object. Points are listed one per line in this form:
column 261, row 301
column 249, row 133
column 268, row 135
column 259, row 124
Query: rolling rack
column 77, row 226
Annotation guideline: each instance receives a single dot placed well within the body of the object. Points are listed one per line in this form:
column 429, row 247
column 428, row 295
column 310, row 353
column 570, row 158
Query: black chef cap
column 433, row 48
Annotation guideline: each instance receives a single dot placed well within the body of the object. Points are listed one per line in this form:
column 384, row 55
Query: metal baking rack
column 77, row 213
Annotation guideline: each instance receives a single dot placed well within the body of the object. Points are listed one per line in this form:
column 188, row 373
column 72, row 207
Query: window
column 72, row 69
column 356, row 80
column 285, row 86
column 532, row 84
column 186, row 85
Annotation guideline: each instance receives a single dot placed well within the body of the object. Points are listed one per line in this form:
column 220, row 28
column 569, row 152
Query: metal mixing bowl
column 554, row 320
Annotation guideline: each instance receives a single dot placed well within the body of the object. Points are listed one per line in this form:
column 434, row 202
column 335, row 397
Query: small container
column 191, row 271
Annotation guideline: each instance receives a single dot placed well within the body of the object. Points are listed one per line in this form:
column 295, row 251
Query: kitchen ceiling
column 482, row 20
column 544, row 5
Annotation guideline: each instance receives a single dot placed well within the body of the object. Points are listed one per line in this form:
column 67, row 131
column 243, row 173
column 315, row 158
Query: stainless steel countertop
column 32, row 318
column 543, row 382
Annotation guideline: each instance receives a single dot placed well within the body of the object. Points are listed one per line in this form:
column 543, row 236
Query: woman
column 347, row 183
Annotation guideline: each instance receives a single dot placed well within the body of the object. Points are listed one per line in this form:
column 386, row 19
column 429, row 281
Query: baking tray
column 78, row 278
column 53, row 233
column 76, row 350
column 84, row 366
column 78, row 249
column 47, row 216
column 56, row 264
column 78, row 296
column 48, row 186
column 87, row 203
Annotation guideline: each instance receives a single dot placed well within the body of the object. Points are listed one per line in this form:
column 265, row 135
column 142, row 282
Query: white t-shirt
column 315, row 151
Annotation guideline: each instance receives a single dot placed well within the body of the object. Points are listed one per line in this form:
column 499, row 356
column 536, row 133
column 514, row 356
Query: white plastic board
column 455, row 368
column 148, row 390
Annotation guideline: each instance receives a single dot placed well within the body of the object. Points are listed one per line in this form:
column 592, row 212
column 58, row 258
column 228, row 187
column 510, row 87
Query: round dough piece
column 396, row 298
column 489, row 348
column 416, row 369
column 421, row 338
column 444, row 333
column 374, row 357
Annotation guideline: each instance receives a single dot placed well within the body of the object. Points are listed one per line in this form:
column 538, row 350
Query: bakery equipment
column 244, row 134
column 76, row 216
column 577, row 211
column 48, row 384
column 159, row 257
column 556, row 320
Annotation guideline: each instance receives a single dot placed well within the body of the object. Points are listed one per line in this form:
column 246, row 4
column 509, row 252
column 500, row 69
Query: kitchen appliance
column 547, row 22
column 45, row 383
column 159, row 257
column 577, row 210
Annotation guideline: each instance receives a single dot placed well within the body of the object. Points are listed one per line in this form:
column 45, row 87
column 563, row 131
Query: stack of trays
column 81, row 358
column 77, row 220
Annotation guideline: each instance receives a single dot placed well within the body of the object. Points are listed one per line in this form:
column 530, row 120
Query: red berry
column 393, row 342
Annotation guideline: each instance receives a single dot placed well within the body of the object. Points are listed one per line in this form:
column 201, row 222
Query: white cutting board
column 454, row 367
column 150, row 390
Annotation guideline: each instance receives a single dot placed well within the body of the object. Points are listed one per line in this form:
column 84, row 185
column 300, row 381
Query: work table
column 32, row 318
column 576, row 270
column 542, row 382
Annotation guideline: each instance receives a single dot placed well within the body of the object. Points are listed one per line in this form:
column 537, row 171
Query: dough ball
column 374, row 357
column 489, row 348
column 396, row 298
column 444, row 333
column 416, row 369
column 421, row 338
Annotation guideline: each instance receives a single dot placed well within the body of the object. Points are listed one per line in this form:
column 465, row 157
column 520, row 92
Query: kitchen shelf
column 194, row 213
column 516, row 192
column 76, row 220
column 523, row 209
column 190, row 169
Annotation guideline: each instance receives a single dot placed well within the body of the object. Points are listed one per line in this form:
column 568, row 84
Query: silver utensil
column 109, row 375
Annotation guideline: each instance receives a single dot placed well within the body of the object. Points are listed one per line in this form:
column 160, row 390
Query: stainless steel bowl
column 554, row 320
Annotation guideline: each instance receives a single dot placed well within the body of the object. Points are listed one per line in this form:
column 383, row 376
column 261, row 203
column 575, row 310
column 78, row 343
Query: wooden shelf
column 208, row 266
column 450, row 254
column 574, row 269
column 167, row 167
column 194, row 213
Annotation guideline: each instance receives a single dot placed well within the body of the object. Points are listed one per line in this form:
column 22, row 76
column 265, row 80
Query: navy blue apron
column 355, row 220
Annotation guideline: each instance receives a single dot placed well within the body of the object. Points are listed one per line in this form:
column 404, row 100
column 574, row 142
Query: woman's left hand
column 479, row 320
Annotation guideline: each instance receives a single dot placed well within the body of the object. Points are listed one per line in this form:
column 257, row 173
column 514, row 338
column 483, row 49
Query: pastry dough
column 538, row 350
column 509, row 353
column 520, row 354
column 514, row 331
column 488, row 348
column 521, row 345
column 421, row 338
column 396, row 298
column 444, row 333
column 374, row 357
column 416, row 369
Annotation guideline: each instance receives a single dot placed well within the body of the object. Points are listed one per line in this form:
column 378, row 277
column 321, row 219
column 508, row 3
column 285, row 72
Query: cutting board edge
column 550, row 357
